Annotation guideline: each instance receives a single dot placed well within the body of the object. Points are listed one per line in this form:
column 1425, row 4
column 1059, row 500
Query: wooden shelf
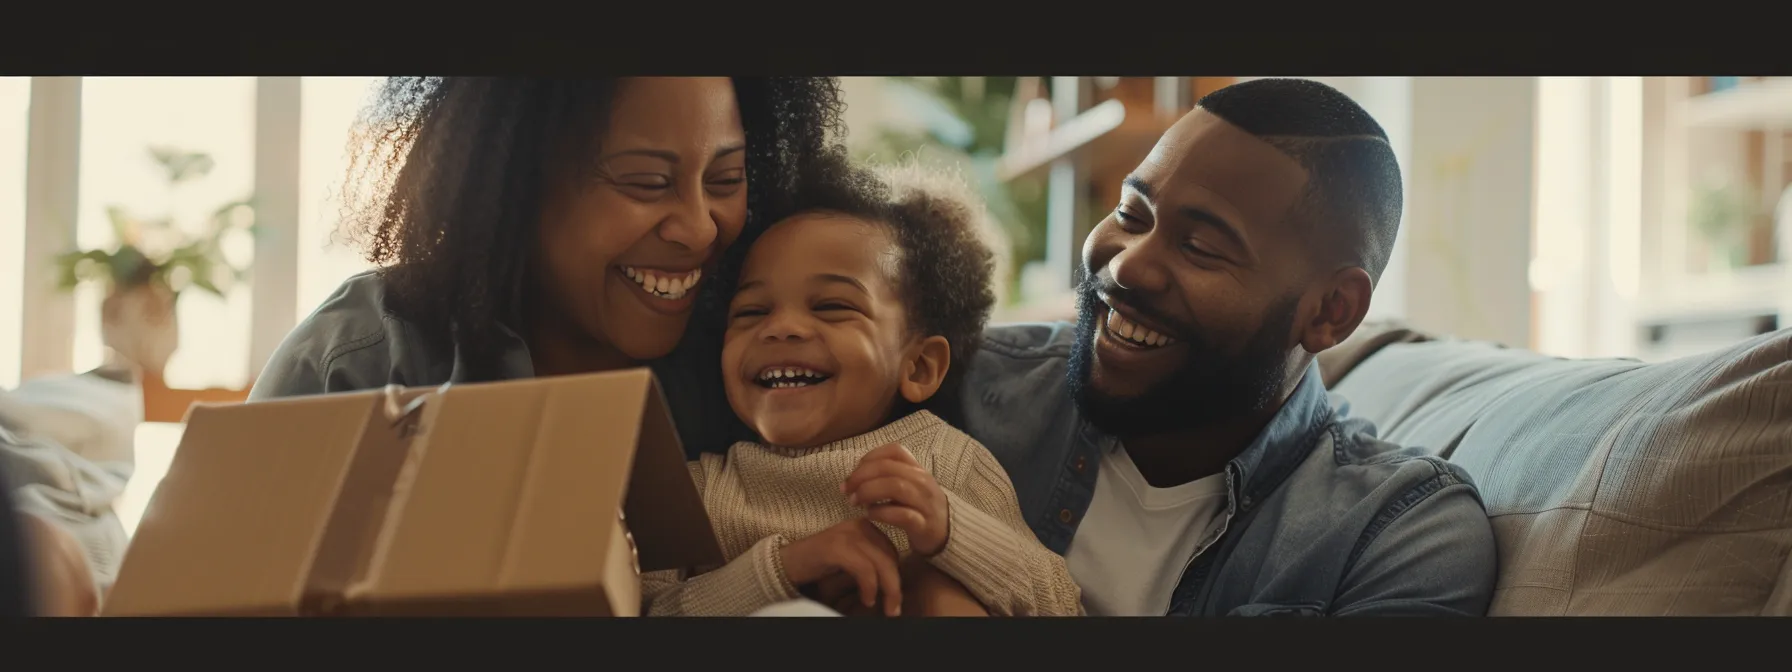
column 1749, row 105
column 1102, row 134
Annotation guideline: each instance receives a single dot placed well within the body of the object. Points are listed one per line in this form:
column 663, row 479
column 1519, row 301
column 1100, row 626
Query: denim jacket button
column 1065, row 516
column 1081, row 463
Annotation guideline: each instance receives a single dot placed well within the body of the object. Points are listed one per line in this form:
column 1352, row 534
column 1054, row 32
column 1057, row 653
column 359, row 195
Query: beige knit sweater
column 760, row 498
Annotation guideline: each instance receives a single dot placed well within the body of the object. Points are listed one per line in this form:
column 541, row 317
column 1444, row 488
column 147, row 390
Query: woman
column 534, row 227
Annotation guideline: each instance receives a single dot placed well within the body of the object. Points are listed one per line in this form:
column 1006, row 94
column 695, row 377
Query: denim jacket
column 1322, row 518
column 352, row 342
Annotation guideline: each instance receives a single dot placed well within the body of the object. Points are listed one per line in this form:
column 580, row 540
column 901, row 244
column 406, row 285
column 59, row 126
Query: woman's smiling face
column 626, row 238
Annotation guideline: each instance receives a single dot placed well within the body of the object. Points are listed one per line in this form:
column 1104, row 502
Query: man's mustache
column 1097, row 285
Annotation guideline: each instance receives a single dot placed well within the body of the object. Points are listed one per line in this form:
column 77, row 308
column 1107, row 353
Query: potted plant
column 1720, row 213
column 153, row 261
column 966, row 122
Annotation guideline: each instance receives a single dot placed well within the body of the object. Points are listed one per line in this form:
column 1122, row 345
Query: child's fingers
column 895, row 489
column 830, row 589
column 877, row 538
column 889, row 579
column 891, row 451
column 879, row 469
column 908, row 519
column 864, row 570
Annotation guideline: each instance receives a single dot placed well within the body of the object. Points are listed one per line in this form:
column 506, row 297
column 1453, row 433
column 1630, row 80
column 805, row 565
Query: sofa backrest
column 1615, row 487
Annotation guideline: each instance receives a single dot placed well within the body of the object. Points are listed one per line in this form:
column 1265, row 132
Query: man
column 1177, row 444
column 15, row 599
column 44, row 568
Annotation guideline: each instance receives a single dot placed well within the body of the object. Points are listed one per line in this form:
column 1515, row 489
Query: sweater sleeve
column 990, row 549
column 747, row 583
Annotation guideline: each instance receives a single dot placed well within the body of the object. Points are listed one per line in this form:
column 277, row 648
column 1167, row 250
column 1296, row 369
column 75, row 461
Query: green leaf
column 74, row 268
column 180, row 165
column 225, row 216
column 125, row 229
column 130, row 267
column 205, row 284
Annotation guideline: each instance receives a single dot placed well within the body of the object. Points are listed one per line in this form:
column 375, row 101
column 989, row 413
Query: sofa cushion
column 1615, row 487
column 1368, row 339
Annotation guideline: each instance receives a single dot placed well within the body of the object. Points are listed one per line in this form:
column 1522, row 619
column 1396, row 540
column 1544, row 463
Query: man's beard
column 1210, row 386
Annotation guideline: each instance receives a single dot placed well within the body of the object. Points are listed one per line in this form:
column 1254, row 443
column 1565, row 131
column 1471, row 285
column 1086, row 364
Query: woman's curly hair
column 447, row 173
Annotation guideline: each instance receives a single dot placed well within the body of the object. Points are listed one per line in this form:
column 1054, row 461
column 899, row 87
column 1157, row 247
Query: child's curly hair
column 946, row 264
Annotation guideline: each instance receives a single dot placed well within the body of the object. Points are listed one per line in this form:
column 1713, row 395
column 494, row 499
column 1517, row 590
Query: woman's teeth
column 1132, row 332
column 790, row 376
column 662, row 284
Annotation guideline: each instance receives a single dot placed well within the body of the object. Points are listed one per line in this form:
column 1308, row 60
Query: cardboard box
column 512, row 498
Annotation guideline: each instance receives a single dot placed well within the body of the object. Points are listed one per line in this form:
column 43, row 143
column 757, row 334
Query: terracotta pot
column 139, row 323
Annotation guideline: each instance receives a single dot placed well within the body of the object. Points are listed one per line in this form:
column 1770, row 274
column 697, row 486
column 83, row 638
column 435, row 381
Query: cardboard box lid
column 233, row 526
column 520, row 485
column 490, row 489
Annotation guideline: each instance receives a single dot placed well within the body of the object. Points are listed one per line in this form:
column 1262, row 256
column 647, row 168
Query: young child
column 850, row 325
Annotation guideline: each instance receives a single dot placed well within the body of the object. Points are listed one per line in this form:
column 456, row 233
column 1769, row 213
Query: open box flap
column 234, row 526
column 664, row 510
column 520, row 488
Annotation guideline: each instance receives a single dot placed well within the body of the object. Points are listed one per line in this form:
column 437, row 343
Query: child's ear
column 925, row 369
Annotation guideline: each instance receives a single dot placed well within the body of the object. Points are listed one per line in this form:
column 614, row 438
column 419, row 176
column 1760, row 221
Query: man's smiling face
column 1188, row 311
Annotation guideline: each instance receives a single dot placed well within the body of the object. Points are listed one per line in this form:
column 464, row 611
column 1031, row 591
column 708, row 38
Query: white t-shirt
column 1134, row 542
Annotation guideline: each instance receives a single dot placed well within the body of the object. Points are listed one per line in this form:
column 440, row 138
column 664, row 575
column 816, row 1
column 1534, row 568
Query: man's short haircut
column 1353, row 193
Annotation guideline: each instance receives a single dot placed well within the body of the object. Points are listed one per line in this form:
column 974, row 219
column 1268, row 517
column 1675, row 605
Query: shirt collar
column 1278, row 448
column 1285, row 441
column 514, row 362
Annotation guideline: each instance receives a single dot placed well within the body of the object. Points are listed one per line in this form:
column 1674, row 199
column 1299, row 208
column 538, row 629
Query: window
column 1586, row 238
column 121, row 118
column 1564, row 210
column 15, row 104
column 329, row 108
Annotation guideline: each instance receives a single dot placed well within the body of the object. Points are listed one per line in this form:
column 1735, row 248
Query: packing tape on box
column 634, row 551
column 405, row 416
column 407, row 419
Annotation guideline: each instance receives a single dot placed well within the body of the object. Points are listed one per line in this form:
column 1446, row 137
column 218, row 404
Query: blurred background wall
column 1580, row 216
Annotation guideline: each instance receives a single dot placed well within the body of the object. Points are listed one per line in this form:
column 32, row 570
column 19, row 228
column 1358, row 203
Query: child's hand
column 854, row 547
column 896, row 491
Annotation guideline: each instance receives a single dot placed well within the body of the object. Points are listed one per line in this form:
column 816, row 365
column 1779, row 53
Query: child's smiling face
column 818, row 344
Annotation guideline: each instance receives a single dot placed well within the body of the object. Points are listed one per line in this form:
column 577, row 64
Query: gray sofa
column 1615, row 487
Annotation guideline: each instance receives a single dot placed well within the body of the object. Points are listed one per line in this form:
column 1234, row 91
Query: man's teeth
column 1133, row 332
column 790, row 376
column 662, row 284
